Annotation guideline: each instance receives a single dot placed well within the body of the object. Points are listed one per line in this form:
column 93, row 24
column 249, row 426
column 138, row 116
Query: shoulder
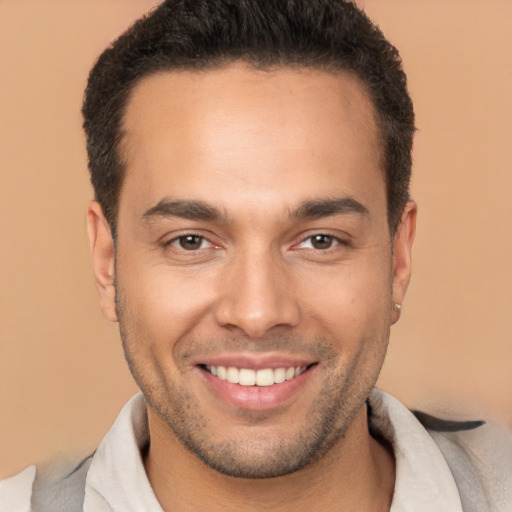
column 479, row 455
column 16, row 491
column 474, row 458
column 54, row 487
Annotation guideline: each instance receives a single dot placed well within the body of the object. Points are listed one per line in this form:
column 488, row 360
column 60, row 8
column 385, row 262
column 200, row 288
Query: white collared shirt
column 117, row 482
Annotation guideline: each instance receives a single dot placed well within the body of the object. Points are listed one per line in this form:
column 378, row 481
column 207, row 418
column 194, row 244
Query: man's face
column 253, row 246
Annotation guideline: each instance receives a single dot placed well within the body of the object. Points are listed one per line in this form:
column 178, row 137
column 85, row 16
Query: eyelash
column 179, row 239
column 335, row 241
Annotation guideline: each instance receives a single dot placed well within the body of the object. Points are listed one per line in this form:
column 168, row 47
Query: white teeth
column 232, row 375
column 279, row 375
column 265, row 377
column 247, row 377
column 221, row 372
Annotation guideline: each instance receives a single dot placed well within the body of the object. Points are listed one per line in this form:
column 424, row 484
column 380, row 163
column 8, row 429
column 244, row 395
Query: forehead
column 288, row 129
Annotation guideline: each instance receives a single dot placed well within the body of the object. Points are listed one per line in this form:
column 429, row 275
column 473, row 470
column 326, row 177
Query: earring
column 397, row 306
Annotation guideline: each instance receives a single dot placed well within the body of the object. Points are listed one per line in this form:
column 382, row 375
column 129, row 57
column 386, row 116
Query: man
column 252, row 235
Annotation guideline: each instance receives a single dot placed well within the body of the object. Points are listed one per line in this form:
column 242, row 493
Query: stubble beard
column 257, row 456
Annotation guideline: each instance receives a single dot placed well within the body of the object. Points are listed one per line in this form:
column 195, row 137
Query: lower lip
column 257, row 398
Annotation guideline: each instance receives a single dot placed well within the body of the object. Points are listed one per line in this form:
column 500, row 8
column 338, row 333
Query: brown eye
column 190, row 242
column 322, row 241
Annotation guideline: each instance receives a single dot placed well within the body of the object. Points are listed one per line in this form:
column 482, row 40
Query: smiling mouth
column 262, row 378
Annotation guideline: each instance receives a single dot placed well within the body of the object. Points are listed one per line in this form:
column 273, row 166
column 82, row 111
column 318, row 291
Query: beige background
column 62, row 374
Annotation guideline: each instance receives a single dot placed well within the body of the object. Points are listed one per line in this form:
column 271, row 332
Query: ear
column 402, row 256
column 101, row 247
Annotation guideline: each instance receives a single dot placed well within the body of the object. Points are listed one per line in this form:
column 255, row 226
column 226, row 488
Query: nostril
column 256, row 320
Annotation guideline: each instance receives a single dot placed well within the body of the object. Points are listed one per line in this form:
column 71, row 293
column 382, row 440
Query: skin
column 255, row 164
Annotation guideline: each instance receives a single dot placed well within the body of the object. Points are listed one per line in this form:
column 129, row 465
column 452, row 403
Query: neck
column 356, row 474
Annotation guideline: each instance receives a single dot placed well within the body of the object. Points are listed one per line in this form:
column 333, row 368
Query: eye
column 190, row 242
column 319, row 242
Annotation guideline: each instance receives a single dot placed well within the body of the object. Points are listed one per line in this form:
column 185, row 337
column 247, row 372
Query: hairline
column 252, row 64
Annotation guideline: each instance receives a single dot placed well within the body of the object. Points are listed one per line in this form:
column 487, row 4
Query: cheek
column 355, row 295
column 162, row 304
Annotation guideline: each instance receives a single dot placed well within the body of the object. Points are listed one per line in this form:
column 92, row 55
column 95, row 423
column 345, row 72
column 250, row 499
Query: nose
column 257, row 296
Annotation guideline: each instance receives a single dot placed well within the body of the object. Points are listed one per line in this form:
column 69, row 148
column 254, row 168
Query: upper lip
column 255, row 361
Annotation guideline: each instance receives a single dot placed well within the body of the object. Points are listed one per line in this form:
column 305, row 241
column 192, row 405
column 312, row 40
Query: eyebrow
column 319, row 208
column 200, row 210
column 194, row 210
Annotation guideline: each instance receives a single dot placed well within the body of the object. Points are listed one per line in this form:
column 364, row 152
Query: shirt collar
column 117, row 481
column 423, row 480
